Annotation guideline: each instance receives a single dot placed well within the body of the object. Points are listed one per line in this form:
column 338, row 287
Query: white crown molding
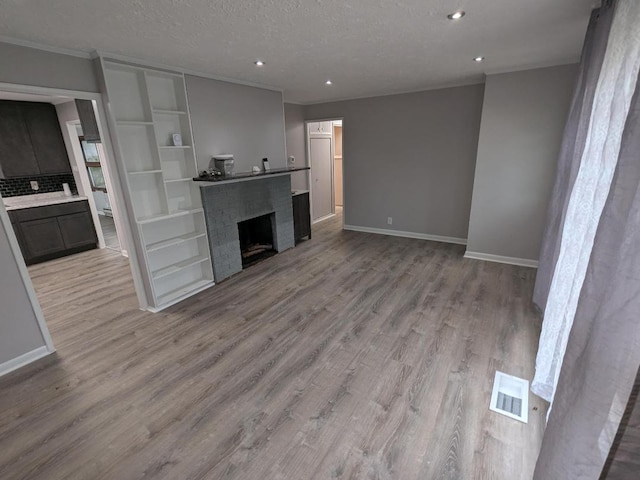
column 399, row 233
column 534, row 66
column 172, row 68
column 24, row 359
column 136, row 61
column 44, row 47
column 151, row 64
column 452, row 84
column 488, row 257
column 440, row 86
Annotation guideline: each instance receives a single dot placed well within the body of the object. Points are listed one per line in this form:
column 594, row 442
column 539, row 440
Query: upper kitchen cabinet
column 17, row 158
column 31, row 141
column 88, row 121
column 320, row 129
column 46, row 138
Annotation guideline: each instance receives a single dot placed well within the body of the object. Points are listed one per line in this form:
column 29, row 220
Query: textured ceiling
column 366, row 47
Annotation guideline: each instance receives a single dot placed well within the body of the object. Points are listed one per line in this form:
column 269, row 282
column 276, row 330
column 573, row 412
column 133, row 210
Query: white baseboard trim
column 24, row 359
column 399, row 233
column 179, row 299
column 521, row 262
column 322, row 219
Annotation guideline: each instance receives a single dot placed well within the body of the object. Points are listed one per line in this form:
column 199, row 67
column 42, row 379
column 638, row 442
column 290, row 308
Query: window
column 91, row 154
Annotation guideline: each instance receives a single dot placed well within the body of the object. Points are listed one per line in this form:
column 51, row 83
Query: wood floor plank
column 352, row 356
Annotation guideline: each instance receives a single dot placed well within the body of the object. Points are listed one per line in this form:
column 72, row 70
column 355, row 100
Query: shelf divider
column 176, row 267
column 160, row 111
column 154, row 247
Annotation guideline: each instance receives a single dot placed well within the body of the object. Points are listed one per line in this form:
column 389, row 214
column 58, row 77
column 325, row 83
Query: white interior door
column 321, row 177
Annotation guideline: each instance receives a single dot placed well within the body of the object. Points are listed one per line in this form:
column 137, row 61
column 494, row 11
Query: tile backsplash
column 13, row 187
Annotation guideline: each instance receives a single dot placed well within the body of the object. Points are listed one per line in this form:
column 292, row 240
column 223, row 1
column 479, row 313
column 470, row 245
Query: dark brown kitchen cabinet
column 17, row 158
column 46, row 138
column 77, row 230
column 41, row 238
column 301, row 216
column 54, row 231
column 88, row 121
column 31, row 141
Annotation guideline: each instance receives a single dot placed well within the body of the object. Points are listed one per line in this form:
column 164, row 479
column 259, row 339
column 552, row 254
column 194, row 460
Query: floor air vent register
column 510, row 396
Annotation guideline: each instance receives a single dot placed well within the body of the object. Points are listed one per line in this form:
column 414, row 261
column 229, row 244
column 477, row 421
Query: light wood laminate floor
column 109, row 232
column 352, row 356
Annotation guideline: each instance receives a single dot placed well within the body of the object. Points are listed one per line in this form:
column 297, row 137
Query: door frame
column 309, row 172
column 113, row 172
column 86, row 183
column 49, row 348
column 82, row 180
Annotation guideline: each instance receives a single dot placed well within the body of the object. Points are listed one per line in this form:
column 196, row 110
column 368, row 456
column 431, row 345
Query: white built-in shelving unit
column 147, row 107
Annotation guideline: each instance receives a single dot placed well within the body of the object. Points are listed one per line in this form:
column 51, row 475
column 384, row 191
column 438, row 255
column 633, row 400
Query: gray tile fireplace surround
column 226, row 204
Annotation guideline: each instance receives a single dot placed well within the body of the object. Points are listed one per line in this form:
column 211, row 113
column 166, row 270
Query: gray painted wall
column 523, row 120
column 28, row 66
column 410, row 157
column 294, row 127
column 245, row 121
column 19, row 330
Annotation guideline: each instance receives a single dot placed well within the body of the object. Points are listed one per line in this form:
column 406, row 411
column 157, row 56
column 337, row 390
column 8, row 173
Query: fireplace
column 228, row 203
column 257, row 239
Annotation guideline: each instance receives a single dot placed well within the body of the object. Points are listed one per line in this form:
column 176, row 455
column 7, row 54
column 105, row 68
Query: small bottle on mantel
column 265, row 164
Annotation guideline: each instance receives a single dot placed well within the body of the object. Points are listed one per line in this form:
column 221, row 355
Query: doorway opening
column 93, row 158
column 48, row 209
column 54, row 164
column 326, row 179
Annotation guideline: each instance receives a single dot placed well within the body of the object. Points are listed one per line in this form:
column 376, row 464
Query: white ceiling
column 366, row 47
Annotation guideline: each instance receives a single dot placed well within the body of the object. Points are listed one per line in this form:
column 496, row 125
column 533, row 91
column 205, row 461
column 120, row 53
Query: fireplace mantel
column 207, row 181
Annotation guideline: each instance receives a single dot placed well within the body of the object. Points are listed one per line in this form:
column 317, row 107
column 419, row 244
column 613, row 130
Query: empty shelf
column 176, row 267
column 173, row 241
column 145, row 172
column 169, row 112
column 132, row 123
column 184, row 290
column 163, row 216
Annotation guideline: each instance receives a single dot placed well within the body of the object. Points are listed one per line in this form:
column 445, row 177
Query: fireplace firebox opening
column 257, row 239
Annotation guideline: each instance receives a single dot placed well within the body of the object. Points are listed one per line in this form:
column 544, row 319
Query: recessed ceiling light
column 478, row 59
column 259, row 63
column 456, row 15
column 328, row 82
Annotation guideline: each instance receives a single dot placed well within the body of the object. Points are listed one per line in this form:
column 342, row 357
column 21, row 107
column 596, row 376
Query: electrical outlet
column 389, row 220
column 34, row 185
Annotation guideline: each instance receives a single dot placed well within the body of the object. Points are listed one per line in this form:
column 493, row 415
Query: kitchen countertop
column 39, row 200
column 298, row 192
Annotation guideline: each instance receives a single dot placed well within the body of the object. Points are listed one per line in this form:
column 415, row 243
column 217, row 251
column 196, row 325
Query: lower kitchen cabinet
column 77, row 230
column 301, row 216
column 40, row 238
column 54, row 231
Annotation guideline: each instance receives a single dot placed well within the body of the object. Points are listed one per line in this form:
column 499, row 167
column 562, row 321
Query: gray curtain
column 572, row 147
column 603, row 351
